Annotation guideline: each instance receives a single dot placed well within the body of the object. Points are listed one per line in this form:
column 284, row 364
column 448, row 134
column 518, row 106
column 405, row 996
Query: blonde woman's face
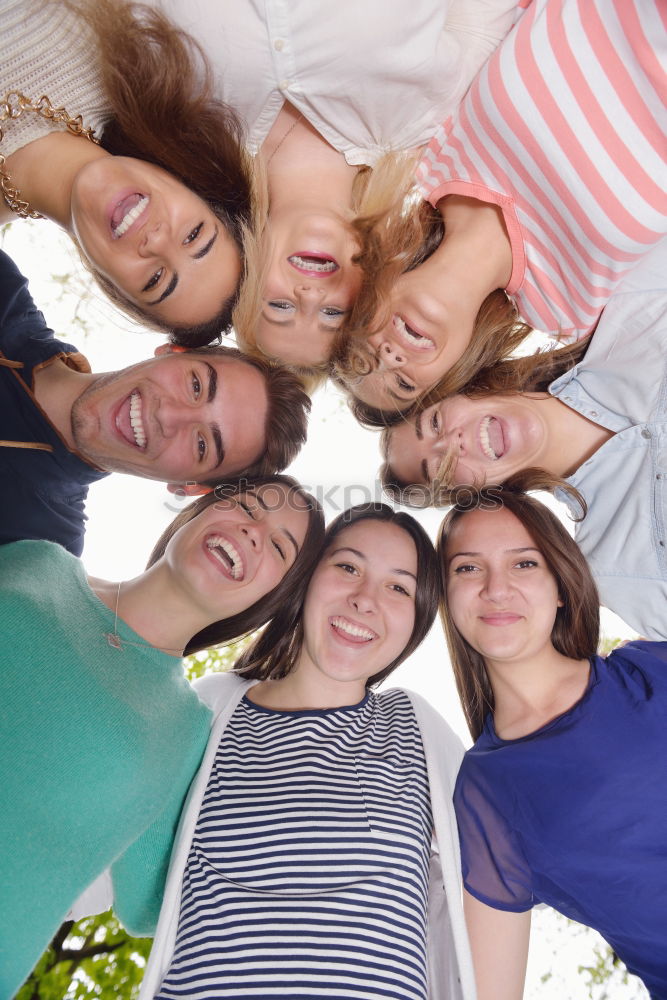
column 157, row 242
column 417, row 346
column 310, row 286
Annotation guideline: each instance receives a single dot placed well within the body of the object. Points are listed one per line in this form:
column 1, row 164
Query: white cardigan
column 450, row 965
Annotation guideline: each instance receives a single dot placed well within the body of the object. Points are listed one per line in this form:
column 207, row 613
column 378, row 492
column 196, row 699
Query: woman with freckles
column 110, row 129
column 317, row 852
column 559, row 801
column 101, row 732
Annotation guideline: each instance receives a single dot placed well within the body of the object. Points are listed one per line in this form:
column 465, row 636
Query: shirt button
column 279, row 45
column 284, row 84
column 661, row 543
column 659, row 476
column 593, row 413
column 646, row 432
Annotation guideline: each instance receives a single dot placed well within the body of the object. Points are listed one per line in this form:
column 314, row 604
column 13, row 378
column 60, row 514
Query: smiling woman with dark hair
column 559, row 800
column 101, row 731
column 313, row 821
column 159, row 222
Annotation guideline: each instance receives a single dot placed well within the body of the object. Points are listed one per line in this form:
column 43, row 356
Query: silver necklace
column 116, row 642
column 288, row 132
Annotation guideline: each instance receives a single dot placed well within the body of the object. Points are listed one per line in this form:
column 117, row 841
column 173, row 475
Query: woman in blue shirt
column 557, row 801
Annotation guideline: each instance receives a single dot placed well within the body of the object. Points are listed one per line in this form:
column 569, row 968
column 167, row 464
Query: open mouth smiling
column 128, row 210
column 314, row 265
column 350, row 631
column 492, row 439
column 410, row 337
column 129, row 421
column 226, row 553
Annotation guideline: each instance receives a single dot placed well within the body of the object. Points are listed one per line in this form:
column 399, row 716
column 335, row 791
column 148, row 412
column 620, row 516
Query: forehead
column 488, row 531
column 383, row 544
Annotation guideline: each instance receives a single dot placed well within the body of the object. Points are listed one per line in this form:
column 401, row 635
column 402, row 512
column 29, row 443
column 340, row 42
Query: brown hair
column 374, row 192
column 395, row 242
column 159, row 86
column 576, row 628
column 291, row 588
column 286, row 424
column 275, row 653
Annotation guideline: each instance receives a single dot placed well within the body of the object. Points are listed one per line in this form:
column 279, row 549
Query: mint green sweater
column 96, row 745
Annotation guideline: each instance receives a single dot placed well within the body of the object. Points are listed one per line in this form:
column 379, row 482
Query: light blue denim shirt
column 622, row 385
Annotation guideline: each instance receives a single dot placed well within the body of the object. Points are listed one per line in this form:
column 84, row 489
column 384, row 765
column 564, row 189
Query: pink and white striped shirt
column 565, row 128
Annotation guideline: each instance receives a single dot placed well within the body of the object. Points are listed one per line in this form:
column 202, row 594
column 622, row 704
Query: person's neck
column 529, row 694
column 475, row 255
column 571, row 439
column 156, row 607
column 56, row 388
column 44, row 171
column 299, row 691
column 303, row 169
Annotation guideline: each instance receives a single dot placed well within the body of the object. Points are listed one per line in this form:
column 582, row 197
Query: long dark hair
column 275, row 652
column 290, row 591
column 577, row 626
column 159, row 86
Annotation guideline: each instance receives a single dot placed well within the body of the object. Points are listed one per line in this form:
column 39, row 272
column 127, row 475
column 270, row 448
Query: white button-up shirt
column 622, row 385
column 370, row 75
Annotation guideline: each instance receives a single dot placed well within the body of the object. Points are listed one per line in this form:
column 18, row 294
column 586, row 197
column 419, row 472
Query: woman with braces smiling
column 158, row 207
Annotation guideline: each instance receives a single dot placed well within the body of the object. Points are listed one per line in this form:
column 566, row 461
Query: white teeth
column 356, row 630
column 131, row 217
column 410, row 335
column 234, row 561
column 484, row 439
column 136, row 421
column 313, row 264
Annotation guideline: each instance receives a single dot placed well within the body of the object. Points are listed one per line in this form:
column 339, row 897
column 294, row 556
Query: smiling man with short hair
column 182, row 417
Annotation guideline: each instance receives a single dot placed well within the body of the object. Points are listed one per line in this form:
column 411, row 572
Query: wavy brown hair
column 392, row 243
column 159, row 86
column 275, row 653
column 576, row 629
column 291, row 588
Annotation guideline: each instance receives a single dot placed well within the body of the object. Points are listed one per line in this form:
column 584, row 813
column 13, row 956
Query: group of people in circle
column 392, row 198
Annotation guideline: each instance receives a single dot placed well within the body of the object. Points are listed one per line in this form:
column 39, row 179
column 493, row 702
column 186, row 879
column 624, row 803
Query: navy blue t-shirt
column 43, row 489
column 575, row 814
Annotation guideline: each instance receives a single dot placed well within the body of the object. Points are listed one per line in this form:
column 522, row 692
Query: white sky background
column 339, row 462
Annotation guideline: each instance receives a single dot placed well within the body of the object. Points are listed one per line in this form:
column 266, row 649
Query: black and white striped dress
column 308, row 870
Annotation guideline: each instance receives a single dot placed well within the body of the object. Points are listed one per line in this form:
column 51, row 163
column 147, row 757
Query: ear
column 189, row 489
column 163, row 349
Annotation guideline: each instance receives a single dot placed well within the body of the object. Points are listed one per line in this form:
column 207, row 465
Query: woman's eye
column 347, row 567
column 405, row 386
column 281, row 551
column 247, row 508
column 281, row 304
column 192, row 236
column 153, row 280
column 201, row 448
column 435, row 422
column 332, row 311
column 196, row 386
column 465, row 568
column 526, row 564
column 399, row 589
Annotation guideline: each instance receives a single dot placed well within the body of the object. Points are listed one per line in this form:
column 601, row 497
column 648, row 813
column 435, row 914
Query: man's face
column 180, row 417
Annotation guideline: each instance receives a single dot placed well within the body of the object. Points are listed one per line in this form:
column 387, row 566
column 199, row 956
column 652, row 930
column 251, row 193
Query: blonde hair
column 395, row 242
column 373, row 195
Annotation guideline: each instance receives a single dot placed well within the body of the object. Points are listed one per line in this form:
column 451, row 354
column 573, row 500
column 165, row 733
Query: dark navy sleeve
column 17, row 308
column 494, row 868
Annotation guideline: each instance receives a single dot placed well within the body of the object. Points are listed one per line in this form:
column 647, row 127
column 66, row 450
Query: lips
column 492, row 438
column 410, row 337
column 129, row 420
column 501, row 618
column 350, row 632
column 314, row 265
column 127, row 212
column 226, row 555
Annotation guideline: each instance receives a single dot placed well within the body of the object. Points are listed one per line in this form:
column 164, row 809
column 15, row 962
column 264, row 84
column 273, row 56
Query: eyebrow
column 205, row 249
column 215, row 430
column 525, row 548
column 264, row 506
column 360, row 555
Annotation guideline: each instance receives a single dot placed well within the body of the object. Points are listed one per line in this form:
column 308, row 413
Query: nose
column 309, row 297
column 363, row 600
column 496, row 585
column 254, row 533
column 389, row 356
column 174, row 417
column 154, row 238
